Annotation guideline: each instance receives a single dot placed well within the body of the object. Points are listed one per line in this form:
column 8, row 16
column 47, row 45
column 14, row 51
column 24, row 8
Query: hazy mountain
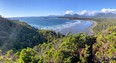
column 105, row 15
column 71, row 15
column 77, row 16
column 98, row 15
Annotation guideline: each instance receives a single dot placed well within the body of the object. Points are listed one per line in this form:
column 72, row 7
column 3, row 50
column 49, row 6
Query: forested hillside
column 42, row 46
column 103, row 24
column 17, row 35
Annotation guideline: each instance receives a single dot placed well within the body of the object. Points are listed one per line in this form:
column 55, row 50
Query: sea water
column 61, row 25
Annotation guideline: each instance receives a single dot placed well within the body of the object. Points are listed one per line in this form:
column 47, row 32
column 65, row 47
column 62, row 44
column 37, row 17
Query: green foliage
column 18, row 35
column 28, row 56
column 77, row 48
column 103, row 24
column 86, row 55
column 105, row 46
column 50, row 47
column 10, row 52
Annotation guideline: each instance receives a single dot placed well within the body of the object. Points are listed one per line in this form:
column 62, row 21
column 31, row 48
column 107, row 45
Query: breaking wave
column 58, row 27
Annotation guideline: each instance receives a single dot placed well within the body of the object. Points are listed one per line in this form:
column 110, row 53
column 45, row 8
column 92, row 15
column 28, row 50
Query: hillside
column 17, row 35
column 43, row 46
column 103, row 24
column 77, row 48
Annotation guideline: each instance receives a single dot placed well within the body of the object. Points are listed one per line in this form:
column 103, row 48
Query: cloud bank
column 69, row 12
column 108, row 10
column 85, row 12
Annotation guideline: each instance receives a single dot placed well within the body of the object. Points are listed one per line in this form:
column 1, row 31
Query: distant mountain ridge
column 105, row 15
column 98, row 15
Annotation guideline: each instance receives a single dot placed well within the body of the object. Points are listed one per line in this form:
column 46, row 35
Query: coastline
column 91, row 27
column 83, row 27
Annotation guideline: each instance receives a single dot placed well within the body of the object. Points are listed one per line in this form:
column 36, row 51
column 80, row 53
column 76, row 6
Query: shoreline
column 86, row 28
column 91, row 27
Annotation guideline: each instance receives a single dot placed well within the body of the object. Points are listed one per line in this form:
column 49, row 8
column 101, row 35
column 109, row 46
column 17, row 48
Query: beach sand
column 91, row 28
column 84, row 27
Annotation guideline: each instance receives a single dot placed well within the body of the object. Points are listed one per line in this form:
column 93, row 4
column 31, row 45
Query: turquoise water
column 57, row 24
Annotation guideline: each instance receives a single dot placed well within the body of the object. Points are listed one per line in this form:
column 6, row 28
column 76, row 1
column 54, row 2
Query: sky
column 20, row 8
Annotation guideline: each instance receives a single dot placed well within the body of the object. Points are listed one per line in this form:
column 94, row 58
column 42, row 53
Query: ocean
column 61, row 25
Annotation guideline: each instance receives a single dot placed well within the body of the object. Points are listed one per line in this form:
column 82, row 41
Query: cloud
column 85, row 12
column 69, row 12
column 82, row 12
column 108, row 10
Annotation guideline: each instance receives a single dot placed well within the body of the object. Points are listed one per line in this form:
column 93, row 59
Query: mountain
column 98, row 15
column 77, row 16
column 105, row 15
column 71, row 15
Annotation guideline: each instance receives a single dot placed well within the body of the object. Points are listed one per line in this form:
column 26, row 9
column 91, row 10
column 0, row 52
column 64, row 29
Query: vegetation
column 103, row 24
column 17, row 35
column 42, row 46
column 105, row 46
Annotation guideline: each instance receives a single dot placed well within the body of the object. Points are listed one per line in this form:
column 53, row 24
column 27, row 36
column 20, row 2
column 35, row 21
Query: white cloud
column 82, row 12
column 69, row 12
column 108, row 10
column 85, row 12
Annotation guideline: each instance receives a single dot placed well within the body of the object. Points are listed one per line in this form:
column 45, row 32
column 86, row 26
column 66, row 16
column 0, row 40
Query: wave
column 58, row 27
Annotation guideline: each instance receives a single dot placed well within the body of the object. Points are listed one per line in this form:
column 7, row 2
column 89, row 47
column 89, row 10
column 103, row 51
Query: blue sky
column 18, row 8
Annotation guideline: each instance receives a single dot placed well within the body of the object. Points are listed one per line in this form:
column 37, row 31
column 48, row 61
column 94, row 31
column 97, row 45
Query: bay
column 61, row 25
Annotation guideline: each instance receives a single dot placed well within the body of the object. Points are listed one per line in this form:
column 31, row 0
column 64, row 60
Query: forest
column 32, row 45
column 103, row 24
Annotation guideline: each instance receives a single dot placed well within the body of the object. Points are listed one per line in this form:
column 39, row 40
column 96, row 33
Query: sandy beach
column 91, row 27
column 83, row 27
